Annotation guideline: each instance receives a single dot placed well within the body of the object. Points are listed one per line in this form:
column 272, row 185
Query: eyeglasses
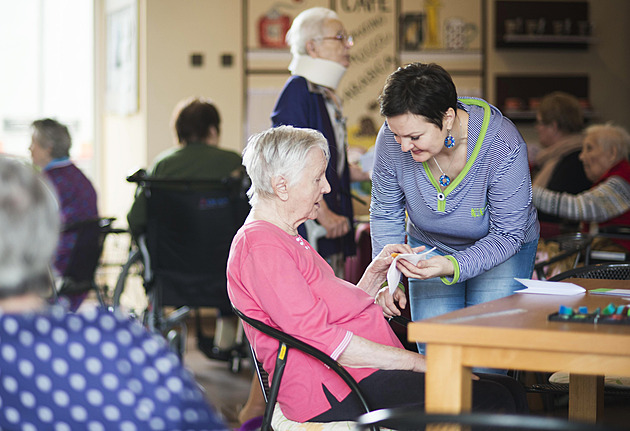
column 343, row 38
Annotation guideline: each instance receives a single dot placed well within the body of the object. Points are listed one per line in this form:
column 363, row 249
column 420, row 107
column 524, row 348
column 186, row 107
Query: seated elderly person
column 96, row 370
column 50, row 151
column 557, row 167
column 605, row 157
column 275, row 276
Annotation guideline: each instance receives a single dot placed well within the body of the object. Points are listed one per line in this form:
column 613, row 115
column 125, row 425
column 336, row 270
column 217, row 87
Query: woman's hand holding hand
column 436, row 266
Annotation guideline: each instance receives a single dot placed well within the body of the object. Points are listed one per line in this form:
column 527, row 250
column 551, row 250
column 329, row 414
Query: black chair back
column 84, row 258
column 286, row 342
column 190, row 226
column 605, row 271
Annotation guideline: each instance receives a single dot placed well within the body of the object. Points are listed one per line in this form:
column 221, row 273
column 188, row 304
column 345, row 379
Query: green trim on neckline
column 482, row 134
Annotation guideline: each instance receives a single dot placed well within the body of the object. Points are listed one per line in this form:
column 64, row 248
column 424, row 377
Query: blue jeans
column 432, row 297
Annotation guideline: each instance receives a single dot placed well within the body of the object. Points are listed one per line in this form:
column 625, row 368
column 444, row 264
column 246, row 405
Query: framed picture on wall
column 411, row 31
column 121, row 95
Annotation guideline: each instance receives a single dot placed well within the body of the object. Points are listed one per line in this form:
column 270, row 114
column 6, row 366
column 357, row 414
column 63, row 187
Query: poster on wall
column 121, row 94
column 269, row 21
column 373, row 26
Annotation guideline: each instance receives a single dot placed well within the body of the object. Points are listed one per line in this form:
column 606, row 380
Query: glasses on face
column 343, row 38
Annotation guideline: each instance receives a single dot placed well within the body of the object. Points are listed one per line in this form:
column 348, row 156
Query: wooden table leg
column 586, row 397
column 448, row 383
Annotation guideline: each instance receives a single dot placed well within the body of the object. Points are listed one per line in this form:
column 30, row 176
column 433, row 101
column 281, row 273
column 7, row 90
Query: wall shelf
column 547, row 38
column 548, row 25
column 518, row 96
column 455, row 61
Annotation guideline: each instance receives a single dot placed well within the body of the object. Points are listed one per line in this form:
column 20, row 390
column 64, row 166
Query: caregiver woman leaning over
column 459, row 169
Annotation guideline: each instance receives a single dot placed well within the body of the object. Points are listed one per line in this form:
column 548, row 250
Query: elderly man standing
column 320, row 47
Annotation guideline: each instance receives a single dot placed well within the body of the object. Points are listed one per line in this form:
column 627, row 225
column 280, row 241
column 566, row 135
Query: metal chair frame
column 286, row 342
column 407, row 419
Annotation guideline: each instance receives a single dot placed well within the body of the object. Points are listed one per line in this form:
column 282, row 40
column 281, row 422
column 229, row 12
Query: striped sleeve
column 509, row 205
column 601, row 203
column 387, row 208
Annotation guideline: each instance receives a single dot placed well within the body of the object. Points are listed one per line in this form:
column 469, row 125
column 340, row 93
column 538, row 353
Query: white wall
column 169, row 32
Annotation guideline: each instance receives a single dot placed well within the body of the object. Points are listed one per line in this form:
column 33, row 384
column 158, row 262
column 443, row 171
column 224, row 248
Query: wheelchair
column 181, row 260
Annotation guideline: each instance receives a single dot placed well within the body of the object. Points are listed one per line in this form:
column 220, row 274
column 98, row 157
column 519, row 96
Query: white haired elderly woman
column 605, row 150
column 75, row 371
column 320, row 46
column 275, row 276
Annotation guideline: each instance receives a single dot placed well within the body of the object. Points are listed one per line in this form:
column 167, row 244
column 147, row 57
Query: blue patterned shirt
column 93, row 371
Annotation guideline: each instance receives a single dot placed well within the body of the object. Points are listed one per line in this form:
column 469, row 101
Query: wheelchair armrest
column 400, row 320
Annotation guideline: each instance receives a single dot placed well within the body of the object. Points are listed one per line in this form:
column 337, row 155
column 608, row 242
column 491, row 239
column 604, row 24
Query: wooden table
column 517, row 335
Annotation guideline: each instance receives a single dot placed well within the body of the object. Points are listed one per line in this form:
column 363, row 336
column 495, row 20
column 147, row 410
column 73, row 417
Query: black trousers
column 399, row 388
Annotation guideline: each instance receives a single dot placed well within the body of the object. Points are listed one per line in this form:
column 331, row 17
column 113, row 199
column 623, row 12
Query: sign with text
column 373, row 25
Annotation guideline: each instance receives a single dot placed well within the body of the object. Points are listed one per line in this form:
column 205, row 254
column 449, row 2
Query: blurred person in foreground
column 604, row 154
column 275, row 276
column 50, row 151
column 320, row 46
column 91, row 370
column 557, row 167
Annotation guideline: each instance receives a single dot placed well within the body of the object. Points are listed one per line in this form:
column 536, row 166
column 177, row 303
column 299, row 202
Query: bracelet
column 400, row 285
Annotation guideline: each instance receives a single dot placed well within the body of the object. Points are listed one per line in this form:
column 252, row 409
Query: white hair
column 308, row 25
column 609, row 137
column 279, row 151
column 29, row 216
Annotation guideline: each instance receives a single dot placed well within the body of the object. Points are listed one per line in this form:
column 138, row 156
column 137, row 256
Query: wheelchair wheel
column 130, row 295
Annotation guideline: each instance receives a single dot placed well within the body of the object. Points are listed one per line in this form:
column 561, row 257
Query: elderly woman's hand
column 377, row 269
column 388, row 301
column 386, row 256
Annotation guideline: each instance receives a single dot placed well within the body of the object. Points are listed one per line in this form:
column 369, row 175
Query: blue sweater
column 301, row 104
column 487, row 212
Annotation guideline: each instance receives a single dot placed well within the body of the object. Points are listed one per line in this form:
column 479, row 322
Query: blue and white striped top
column 484, row 215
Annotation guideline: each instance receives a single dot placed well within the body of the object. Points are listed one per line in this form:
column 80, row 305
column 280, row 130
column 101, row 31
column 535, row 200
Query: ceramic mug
column 459, row 33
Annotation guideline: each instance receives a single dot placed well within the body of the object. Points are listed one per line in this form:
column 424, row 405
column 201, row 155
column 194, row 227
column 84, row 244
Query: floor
column 225, row 390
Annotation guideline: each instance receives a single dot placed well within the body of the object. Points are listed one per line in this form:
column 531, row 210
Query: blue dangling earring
column 449, row 141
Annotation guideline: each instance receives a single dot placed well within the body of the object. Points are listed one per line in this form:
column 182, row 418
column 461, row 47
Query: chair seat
column 279, row 422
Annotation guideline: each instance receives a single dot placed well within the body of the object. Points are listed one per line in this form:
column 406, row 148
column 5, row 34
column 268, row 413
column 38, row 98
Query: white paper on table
column 393, row 273
column 549, row 287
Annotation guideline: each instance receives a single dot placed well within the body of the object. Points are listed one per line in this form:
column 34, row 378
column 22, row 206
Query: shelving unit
column 517, row 96
column 562, row 27
column 457, row 42
column 547, row 25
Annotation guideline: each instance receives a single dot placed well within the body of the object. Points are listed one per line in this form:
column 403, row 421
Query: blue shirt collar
column 57, row 163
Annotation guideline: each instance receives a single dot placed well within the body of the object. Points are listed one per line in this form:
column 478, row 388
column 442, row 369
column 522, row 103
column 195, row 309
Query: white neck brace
column 317, row 70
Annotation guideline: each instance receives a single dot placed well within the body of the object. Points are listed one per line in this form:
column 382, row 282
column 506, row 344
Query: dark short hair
column 564, row 109
column 193, row 119
column 419, row 89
